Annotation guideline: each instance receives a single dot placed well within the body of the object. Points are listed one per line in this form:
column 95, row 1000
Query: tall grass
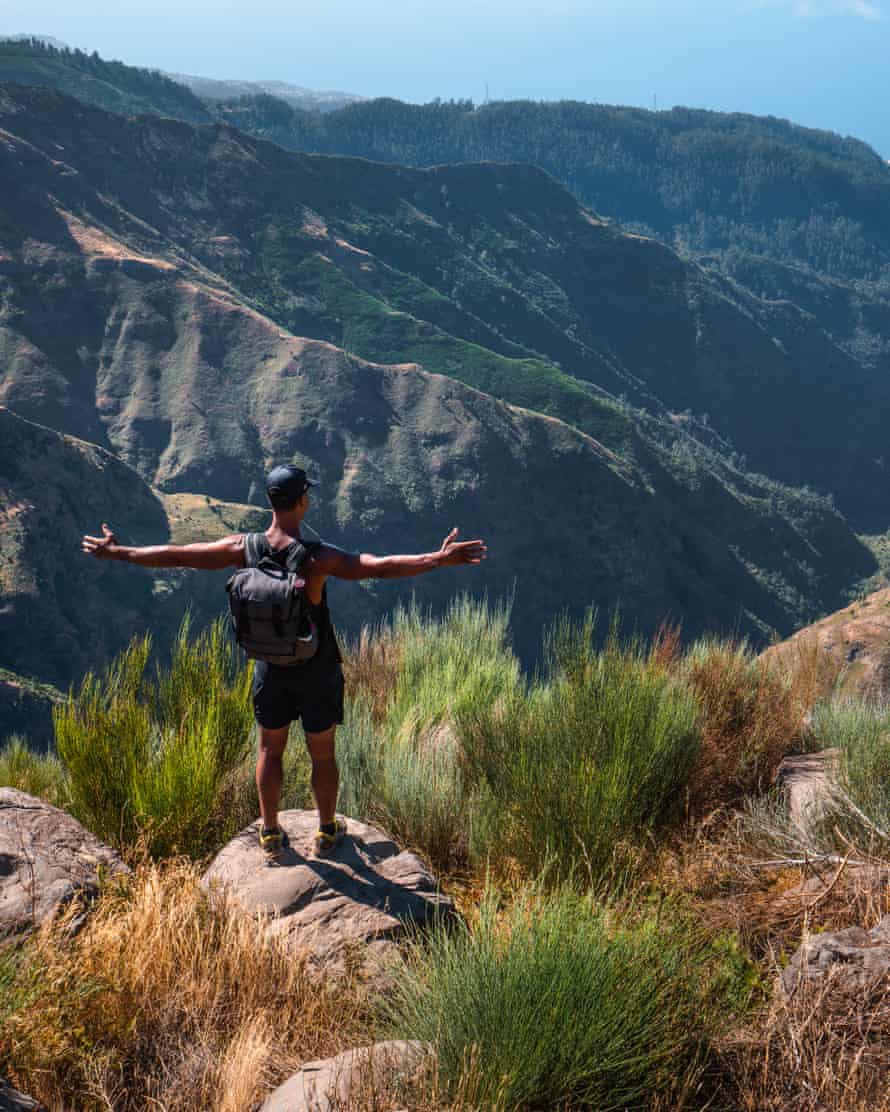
column 596, row 757
column 450, row 664
column 551, row 1004
column 401, row 765
column 154, row 757
column 861, row 730
column 412, row 787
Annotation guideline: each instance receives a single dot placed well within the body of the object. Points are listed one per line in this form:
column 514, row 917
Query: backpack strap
column 298, row 553
column 255, row 548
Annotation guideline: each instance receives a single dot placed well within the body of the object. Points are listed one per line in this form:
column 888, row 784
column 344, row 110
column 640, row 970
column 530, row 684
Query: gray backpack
column 271, row 614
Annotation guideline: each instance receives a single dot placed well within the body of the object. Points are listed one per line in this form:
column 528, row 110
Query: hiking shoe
column 273, row 842
column 325, row 843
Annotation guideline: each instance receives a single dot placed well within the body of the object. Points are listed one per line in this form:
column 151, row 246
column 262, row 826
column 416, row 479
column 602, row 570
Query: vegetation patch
column 165, row 999
column 553, row 1004
column 594, row 758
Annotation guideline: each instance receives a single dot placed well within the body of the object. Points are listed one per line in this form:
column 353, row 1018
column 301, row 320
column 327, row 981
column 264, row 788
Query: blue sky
column 823, row 63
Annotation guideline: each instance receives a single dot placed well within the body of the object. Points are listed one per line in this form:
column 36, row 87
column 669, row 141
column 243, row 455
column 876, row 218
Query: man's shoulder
column 328, row 559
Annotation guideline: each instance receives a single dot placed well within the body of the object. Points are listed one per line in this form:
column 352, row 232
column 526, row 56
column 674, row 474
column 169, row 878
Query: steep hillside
column 26, row 709
column 402, row 455
column 701, row 181
column 59, row 615
column 114, row 330
column 851, row 647
column 111, row 85
column 490, row 274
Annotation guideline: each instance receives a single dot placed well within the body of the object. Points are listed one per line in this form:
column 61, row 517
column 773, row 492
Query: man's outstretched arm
column 208, row 555
column 352, row 565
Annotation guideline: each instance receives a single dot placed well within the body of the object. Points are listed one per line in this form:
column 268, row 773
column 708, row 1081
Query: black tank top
column 327, row 655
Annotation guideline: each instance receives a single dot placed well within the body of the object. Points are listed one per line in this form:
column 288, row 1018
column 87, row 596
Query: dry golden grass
column 424, row 1092
column 826, row 1049
column 721, row 871
column 752, row 714
column 166, row 999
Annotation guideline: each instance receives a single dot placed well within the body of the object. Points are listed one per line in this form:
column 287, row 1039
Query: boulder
column 858, row 959
column 11, row 1100
column 356, row 902
column 807, row 780
column 336, row 1083
column 46, row 859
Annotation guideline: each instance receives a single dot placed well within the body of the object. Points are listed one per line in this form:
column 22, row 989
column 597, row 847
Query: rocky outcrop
column 856, row 958
column 47, row 859
column 343, row 1081
column 357, row 902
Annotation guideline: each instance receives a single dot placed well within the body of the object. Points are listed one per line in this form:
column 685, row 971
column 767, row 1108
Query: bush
column 155, row 758
column 38, row 774
column 550, row 1005
column 412, row 787
column 595, row 758
column 751, row 715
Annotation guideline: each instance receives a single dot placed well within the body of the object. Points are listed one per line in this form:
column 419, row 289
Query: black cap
column 285, row 485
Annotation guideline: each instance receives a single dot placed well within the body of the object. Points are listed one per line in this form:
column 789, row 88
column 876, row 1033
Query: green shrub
column 861, row 730
column 551, row 1005
column 400, row 763
column 154, row 757
column 451, row 664
column 591, row 760
column 38, row 774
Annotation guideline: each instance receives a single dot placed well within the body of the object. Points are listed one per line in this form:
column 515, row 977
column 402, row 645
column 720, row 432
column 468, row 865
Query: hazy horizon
column 820, row 63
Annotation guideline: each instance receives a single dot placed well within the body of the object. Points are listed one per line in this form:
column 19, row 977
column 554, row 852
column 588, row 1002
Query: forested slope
column 108, row 84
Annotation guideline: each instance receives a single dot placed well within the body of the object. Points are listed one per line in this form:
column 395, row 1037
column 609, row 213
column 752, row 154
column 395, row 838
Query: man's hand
column 453, row 551
column 104, row 547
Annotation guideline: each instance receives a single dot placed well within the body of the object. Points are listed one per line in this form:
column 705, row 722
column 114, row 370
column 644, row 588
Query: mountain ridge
column 154, row 309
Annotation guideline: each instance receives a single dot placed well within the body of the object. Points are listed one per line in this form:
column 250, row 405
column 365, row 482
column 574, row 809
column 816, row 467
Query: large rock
column 11, row 1100
column 855, row 957
column 358, row 901
column 342, row 1082
column 46, row 859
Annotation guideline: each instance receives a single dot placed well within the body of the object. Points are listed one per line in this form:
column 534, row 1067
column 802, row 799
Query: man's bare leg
column 270, row 773
column 325, row 774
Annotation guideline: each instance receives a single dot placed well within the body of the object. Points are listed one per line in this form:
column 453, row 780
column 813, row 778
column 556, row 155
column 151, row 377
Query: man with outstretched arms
column 312, row 690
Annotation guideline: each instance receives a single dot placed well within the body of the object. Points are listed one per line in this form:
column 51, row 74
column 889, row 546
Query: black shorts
column 282, row 694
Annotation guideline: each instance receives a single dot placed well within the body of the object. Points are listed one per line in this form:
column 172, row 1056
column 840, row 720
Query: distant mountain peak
column 47, row 40
column 212, row 88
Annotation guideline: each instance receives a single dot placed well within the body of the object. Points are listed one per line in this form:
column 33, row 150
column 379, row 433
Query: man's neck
column 287, row 522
